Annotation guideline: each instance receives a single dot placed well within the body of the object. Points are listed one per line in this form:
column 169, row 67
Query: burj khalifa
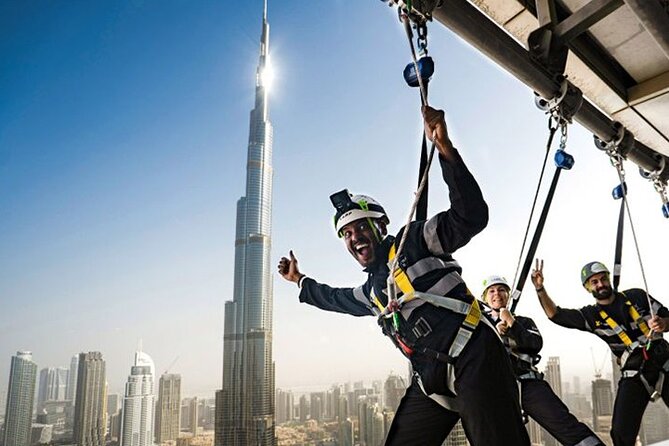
column 245, row 404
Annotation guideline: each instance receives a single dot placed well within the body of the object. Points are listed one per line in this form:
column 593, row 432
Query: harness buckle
column 421, row 328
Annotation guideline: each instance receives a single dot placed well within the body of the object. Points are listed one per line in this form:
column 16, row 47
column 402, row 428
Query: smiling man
column 461, row 368
column 523, row 342
column 634, row 335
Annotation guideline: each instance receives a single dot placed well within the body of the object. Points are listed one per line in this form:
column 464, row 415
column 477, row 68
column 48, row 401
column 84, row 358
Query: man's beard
column 603, row 294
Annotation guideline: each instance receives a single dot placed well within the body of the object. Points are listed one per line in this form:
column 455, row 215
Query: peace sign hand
column 538, row 274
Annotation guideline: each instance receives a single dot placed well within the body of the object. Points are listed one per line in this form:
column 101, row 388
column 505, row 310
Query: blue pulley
column 563, row 160
column 665, row 210
column 619, row 191
column 425, row 67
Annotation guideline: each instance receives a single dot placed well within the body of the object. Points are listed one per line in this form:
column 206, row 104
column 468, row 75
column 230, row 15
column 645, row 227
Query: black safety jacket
column 426, row 259
column 523, row 343
column 589, row 319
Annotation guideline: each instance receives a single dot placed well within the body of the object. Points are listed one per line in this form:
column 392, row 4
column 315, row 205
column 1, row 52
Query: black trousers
column 545, row 407
column 487, row 399
column 631, row 401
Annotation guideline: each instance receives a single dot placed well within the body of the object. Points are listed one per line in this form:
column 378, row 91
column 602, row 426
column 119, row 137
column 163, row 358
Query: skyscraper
column 247, row 395
column 194, row 416
column 52, row 384
column 137, row 425
column 553, row 374
column 284, row 406
column 20, row 399
column 602, row 404
column 169, row 405
column 91, row 400
column 71, row 393
column 554, row 378
column 393, row 391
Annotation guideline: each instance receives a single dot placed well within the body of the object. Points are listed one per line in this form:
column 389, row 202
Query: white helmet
column 494, row 280
column 354, row 207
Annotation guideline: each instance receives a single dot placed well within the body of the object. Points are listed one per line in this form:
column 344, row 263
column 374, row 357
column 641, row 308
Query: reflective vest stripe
column 429, row 264
column 432, row 237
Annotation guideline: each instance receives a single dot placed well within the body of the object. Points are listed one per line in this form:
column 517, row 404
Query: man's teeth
column 361, row 246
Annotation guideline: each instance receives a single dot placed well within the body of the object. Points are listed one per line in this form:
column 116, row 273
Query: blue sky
column 123, row 131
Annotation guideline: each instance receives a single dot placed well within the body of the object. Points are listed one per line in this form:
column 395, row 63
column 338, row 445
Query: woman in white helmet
column 523, row 343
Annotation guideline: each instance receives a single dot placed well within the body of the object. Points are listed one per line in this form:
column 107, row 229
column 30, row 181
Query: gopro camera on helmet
column 341, row 200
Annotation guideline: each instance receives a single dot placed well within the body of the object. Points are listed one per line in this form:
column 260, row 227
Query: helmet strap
column 375, row 229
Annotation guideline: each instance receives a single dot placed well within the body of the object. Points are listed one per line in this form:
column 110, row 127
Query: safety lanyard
column 563, row 161
column 619, row 330
column 612, row 148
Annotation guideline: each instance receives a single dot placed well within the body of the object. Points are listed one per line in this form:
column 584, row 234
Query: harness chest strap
column 401, row 278
column 653, row 391
column 620, row 331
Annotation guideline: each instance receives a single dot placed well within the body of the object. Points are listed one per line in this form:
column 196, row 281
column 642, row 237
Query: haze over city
column 123, row 133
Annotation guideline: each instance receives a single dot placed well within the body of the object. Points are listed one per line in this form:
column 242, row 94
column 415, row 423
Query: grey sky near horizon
column 123, row 134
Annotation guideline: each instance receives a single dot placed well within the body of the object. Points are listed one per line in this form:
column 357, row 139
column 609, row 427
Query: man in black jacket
column 624, row 321
column 523, row 342
column 458, row 359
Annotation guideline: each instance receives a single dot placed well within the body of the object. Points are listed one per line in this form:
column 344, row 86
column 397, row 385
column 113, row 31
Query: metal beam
column 582, row 19
column 487, row 37
column 595, row 57
column 546, row 12
column 649, row 89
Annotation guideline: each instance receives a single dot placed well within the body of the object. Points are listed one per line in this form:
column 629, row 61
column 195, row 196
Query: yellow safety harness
column 471, row 311
column 620, row 331
column 653, row 391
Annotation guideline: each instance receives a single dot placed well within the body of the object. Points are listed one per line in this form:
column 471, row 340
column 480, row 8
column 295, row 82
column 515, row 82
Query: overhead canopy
column 617, row 54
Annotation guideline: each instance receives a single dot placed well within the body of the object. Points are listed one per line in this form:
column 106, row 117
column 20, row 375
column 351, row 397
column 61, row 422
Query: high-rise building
column 53, row 384
column 553, row 376
column 169, row 405
column 316, row 406
column 534, row 431
column 602, row 405
column 378, row 428
column 304, row 408
column 247, row 416
column 393, row 391
column 20, row 398
column 91, row 401
column 284, row 406
column 138, row 403
column 71, row 393
column 345, row 433
column 114, row 403
column 194, row 416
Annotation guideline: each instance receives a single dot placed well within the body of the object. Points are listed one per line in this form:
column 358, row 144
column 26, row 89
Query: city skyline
column 124, row 172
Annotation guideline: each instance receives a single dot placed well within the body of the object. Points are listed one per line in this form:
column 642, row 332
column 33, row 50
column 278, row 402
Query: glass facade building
column 20, row 400
column 245, row 405
column 138, row 404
